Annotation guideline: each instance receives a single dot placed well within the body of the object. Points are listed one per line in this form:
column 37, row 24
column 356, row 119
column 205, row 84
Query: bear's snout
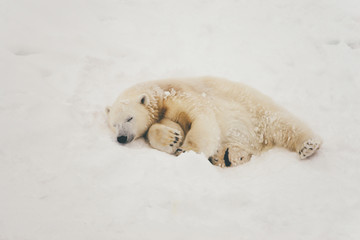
column 122, row 139
column 125, row 138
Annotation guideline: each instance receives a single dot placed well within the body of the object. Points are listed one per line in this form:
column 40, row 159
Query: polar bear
column 228, row 122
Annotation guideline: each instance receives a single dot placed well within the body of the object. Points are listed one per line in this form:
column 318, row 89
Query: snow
column 62, row 174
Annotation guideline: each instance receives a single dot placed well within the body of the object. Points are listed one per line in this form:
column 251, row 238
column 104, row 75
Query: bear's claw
column 179, row 151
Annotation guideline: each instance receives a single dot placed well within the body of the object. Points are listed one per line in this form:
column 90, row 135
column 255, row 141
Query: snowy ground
column 63, row 176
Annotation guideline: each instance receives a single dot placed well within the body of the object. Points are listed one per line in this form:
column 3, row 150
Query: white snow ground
column 63, row 176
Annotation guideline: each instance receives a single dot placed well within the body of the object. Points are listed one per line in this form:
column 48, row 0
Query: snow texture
column 62, row 174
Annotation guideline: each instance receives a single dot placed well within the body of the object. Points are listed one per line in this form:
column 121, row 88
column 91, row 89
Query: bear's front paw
column 173, row 140
column 165, row 138
column 170, row 140
column 308, row 148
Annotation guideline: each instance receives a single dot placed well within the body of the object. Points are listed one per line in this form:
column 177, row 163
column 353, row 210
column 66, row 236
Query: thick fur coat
column 226, row 121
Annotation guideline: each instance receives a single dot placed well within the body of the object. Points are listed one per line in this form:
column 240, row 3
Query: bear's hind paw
column 309, row 147
column 230, row 157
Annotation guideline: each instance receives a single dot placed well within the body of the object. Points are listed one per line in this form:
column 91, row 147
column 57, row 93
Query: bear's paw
column 230, row 157
column 309, row 147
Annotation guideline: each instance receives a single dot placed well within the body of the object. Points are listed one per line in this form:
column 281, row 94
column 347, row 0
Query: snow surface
column 63, row 176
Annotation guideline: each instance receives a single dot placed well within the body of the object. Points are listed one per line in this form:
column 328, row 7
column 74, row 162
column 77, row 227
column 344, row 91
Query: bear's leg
column 203, row 136
column 230, row 156
column 165, row 136
column 294, row 135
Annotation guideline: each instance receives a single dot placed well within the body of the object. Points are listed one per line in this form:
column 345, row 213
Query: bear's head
column 129, row 117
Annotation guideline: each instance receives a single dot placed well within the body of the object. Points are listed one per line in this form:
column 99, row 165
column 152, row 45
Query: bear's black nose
column 122, row 139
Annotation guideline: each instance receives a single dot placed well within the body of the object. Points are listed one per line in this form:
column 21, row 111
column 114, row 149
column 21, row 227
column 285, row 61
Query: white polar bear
column 228, row 122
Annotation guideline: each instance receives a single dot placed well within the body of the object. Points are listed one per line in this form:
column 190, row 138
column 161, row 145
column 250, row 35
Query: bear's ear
column 144, row 99
column 107, row 110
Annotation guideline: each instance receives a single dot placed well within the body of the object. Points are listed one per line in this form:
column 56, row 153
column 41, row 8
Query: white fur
column 226, row 121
